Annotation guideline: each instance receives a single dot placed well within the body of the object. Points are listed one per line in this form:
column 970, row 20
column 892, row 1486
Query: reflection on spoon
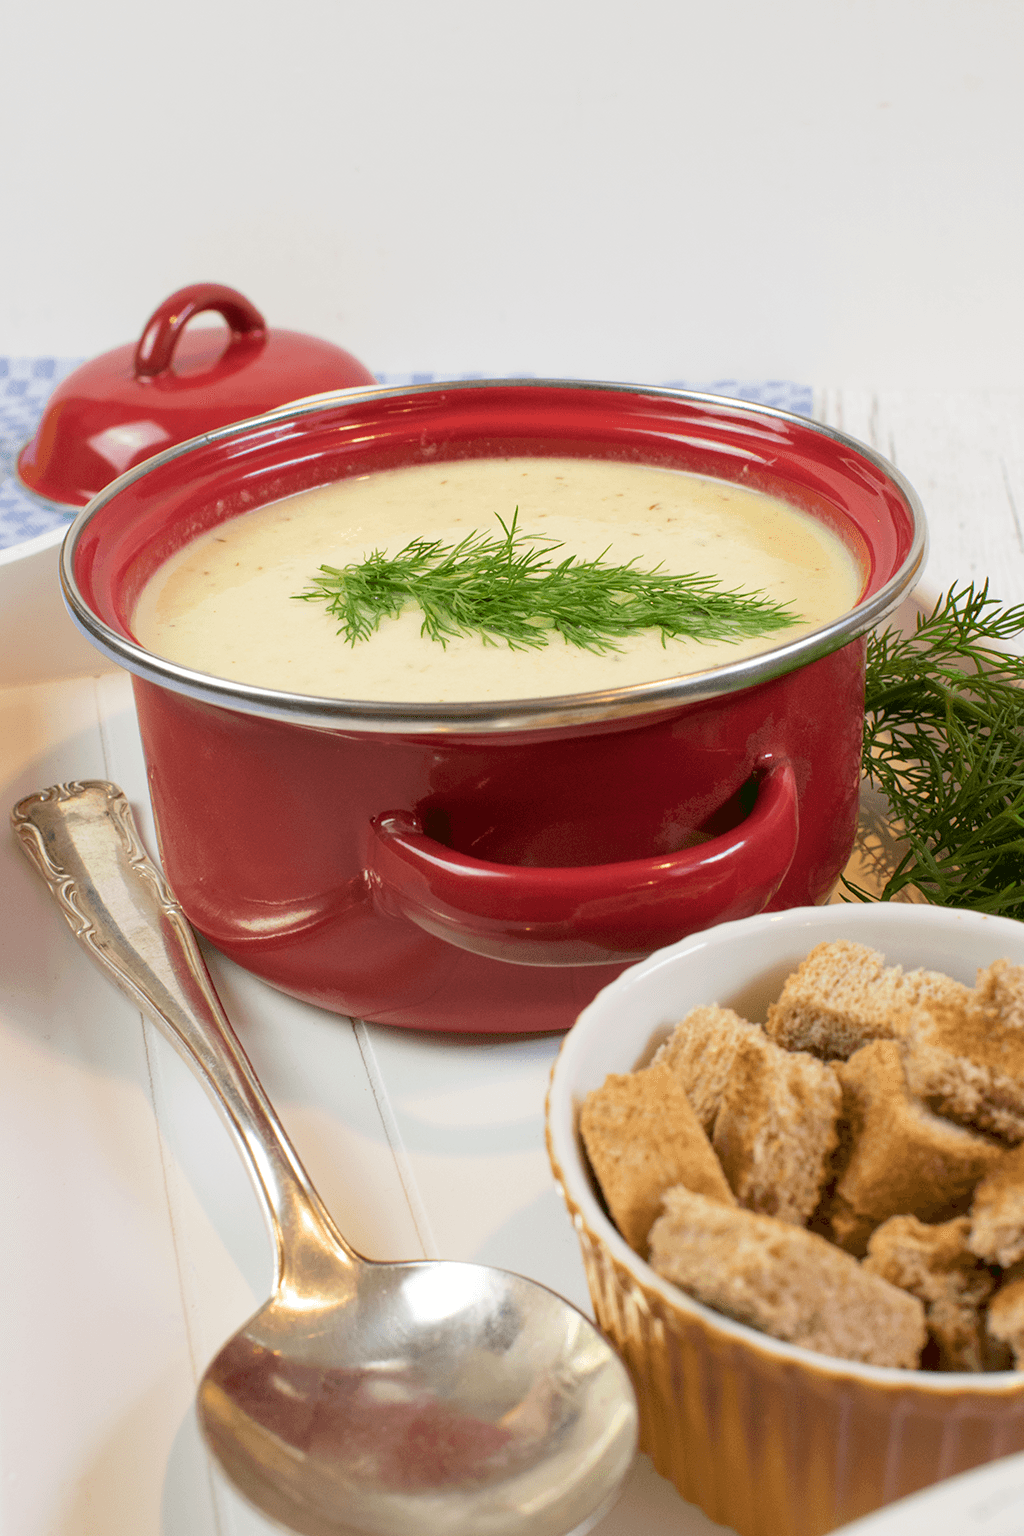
column 363, row 1399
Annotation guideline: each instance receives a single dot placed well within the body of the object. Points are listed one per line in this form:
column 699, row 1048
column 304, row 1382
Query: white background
column 827, row 191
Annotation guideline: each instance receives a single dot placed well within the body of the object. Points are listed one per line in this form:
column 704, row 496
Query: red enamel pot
column 489, row 867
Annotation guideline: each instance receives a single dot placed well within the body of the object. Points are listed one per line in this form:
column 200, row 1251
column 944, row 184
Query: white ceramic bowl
column 766, row 1437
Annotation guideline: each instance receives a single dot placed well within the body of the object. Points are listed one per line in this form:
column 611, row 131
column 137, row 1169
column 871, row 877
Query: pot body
column 449, row 883
column 489, row 867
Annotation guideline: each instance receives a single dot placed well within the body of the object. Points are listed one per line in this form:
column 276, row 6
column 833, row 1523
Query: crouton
column 903, row 1160
column 776, row 1128
column 701, row 1050
column 966, row 1062
column 642, row 1137
column 785, row 1281
column 934, row 1263
column 997, row 1212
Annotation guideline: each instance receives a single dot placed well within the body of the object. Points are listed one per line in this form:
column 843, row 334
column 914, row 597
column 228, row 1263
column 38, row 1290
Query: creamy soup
column 225, row 604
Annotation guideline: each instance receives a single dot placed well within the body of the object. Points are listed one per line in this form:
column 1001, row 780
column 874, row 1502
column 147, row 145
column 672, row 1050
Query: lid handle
column 160, row 337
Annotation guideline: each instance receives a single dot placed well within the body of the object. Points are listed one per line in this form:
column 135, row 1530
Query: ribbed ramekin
column 766, row 1437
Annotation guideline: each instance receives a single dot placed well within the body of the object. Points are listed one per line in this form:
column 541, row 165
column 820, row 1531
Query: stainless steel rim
column 561, row 712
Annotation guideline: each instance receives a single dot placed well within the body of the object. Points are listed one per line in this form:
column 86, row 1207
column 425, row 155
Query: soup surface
column 225, row 604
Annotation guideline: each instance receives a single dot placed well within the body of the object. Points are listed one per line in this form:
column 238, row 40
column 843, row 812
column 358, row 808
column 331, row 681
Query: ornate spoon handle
column 83, row 840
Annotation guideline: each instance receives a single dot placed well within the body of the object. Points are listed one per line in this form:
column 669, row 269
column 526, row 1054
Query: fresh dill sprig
column 508, row 588
column 944, row 742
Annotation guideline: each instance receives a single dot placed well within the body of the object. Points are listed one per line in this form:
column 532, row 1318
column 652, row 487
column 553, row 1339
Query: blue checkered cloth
column 27, row 382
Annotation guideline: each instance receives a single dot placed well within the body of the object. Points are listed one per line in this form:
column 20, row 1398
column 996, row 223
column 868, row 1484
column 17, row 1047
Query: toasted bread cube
column 642, row 1136
column 997, row 1212
column 842, row 996
column 1001, row 988
column 902, row 1159
column 701, row 1051
column 786, row 1281
column 934, row 1263
column 776, row 1128
column 839, row 998
column 966, row 1061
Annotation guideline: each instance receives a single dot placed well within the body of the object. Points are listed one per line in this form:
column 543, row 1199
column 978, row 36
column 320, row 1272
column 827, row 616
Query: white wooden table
column 963, row 452
column 132, row 1243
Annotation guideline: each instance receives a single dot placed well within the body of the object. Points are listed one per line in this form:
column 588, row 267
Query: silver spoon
column 364, row 1399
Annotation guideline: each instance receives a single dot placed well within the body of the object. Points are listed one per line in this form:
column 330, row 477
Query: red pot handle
column 160, row 336
column 595, row 914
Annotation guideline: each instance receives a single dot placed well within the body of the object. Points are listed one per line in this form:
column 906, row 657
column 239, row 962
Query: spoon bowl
column 364, row 1399
column 439, row 1397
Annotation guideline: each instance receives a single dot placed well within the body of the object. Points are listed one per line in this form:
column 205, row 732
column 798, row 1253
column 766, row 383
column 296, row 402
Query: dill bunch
column 508, row 588
column 944, row 742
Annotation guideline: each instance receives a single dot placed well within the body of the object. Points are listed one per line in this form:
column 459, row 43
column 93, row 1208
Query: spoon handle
column 83, row 840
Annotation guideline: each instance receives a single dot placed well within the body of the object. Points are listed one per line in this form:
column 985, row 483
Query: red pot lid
column 123, row 407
